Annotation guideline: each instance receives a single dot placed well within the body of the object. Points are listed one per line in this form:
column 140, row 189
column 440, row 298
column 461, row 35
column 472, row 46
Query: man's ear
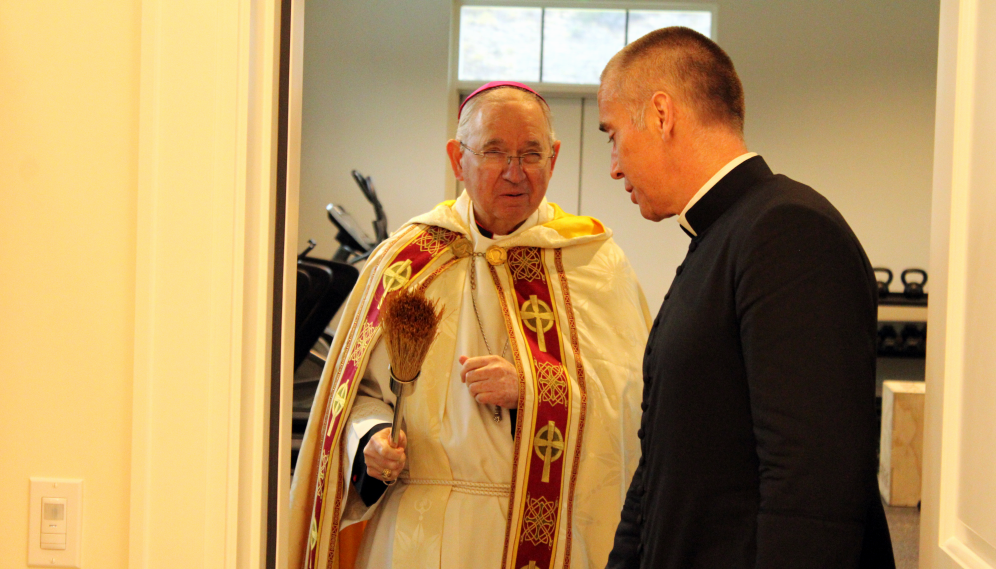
column 556, row 153
column 455, row 152
column 662, row 111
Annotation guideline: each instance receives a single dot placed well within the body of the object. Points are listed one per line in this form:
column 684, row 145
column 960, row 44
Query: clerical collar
column 682, row 219
column 483, row 238
column 483, row 231
column 724, row 194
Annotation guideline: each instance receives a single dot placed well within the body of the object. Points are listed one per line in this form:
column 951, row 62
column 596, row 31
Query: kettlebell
column 913, row 290
column 883, row 286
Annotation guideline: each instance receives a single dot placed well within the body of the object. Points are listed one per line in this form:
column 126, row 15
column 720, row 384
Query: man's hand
column 492, row 380
column 385, row 462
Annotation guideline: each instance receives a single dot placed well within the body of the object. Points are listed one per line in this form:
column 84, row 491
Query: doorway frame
column 216, row 240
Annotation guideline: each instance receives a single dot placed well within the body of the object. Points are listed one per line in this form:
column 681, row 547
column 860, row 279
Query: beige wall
column 69, row 76
column 840, row 96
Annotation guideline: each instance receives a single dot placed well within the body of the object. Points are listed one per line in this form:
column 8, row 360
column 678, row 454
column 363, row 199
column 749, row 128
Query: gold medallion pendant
column 496, row 255
column 462, row 248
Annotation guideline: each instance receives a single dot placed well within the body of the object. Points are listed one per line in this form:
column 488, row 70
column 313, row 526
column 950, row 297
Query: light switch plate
column 71, row 490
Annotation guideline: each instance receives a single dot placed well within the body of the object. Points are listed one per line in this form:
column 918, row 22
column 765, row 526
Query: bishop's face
column 505, row 193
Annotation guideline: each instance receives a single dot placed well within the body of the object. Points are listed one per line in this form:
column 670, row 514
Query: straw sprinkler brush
column 410, row 321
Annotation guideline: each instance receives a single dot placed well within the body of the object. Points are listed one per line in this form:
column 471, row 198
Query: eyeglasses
column 497, row 159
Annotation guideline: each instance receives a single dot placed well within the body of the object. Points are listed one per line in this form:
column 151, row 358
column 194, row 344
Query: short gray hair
column 471, row 108
column 694, row 65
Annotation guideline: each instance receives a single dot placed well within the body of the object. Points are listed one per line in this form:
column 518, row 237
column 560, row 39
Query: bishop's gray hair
column 472, row 106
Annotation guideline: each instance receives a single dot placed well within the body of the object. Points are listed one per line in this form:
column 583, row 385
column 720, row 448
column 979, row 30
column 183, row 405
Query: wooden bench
column 901, row 449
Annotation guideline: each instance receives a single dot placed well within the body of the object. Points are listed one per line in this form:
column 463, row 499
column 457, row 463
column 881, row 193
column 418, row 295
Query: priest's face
column 505, row 192
column 639, row 155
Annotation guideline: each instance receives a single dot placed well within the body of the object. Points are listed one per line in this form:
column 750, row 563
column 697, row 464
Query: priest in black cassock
column 759, row 426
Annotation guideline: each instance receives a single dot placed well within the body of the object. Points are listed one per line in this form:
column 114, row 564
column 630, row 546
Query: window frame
column 563, row 89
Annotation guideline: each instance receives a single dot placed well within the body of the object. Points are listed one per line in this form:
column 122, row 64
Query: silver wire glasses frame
column 528, row 160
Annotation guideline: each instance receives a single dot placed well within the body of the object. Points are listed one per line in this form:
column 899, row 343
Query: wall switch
column 55, row 522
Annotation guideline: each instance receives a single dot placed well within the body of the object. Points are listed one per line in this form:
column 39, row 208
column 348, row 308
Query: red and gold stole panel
column 407, row 265
column 547, row 495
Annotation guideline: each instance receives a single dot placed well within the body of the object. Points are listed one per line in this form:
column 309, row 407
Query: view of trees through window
column 556, row 45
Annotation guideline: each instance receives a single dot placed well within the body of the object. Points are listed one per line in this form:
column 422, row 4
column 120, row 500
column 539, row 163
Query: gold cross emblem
column 532, row 565
column 397, row 275
column 538, row 317
column 549, row 445
column 339, row 400
column 313, row 535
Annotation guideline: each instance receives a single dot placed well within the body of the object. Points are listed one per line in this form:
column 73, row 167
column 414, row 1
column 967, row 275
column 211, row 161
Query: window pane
column 578, row 43
column 498, row 43
column 642, row 22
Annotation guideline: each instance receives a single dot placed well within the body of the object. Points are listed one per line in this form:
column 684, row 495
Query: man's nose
column 614, row 170
column 513, row 171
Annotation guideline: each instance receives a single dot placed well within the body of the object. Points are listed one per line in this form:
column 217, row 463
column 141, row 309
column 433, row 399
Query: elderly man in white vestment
column 519, row 441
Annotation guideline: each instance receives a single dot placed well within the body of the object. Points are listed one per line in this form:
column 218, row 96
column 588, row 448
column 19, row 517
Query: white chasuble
column 563, row 305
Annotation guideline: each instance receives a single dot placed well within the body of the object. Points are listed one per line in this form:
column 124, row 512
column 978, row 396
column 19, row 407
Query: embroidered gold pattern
column 552, row 383
column 363, row 334
column 330, row 560
column 549, row 445
column 582, row 391
column 506, row 313
column 323, row 465
column 526, row 264
column 538, row 317
column 434, row 239
column 541, row 517
column 363, row 339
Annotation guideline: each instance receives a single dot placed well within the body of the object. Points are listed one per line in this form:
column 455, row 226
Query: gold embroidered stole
column 407, row 266
column 551, row 412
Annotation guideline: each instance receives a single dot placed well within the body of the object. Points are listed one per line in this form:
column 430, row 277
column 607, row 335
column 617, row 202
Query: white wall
column 840, row 96
column 376, row 99
column 69, row 76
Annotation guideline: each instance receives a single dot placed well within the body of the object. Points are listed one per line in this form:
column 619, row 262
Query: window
column 554, row 43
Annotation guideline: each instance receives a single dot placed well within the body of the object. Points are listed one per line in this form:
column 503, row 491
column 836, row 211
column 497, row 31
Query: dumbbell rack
column 902, row 327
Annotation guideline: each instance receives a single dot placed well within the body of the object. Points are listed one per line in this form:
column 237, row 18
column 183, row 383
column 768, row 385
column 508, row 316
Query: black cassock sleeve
column 806, row 304
column 625, row 552
column 369, row 488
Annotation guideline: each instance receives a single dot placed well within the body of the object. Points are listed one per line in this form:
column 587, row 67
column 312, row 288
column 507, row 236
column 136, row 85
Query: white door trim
column 204, row 281
column 945, row 541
